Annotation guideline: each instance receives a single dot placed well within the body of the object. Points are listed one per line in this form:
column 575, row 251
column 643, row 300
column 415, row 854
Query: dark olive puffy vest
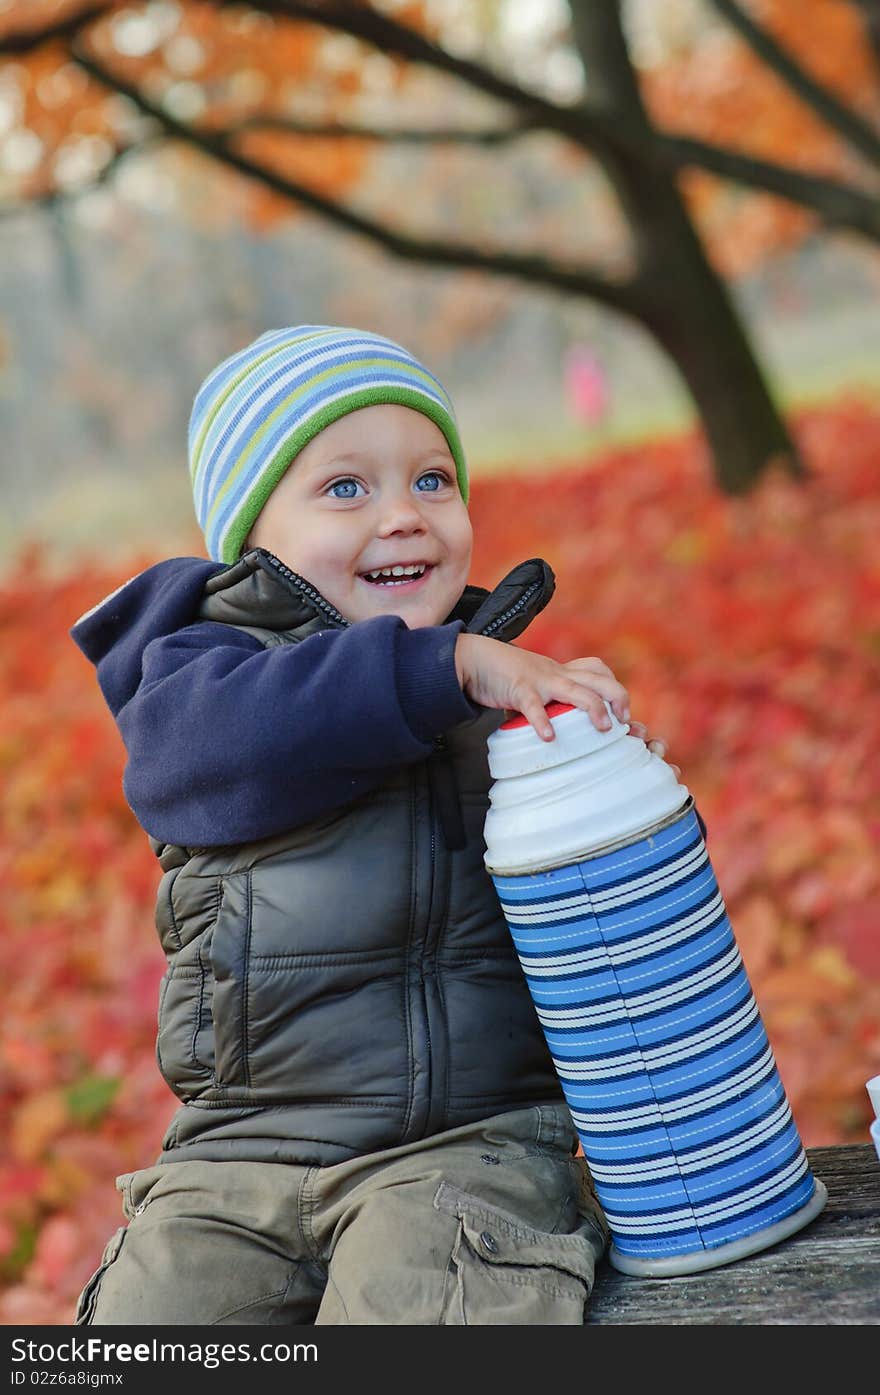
column 348, row 985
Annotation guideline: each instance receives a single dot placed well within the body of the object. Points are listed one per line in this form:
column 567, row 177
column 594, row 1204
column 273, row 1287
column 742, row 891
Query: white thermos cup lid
column 515, row 748
column 554, row 801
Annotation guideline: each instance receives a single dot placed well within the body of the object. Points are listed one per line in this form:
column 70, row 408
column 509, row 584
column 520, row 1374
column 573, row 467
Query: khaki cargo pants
column 493, row 1222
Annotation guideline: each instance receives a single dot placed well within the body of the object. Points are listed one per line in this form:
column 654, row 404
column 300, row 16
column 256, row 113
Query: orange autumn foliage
column 719, row 91
column 748, row 633
column 213, row 68
column 226, row 65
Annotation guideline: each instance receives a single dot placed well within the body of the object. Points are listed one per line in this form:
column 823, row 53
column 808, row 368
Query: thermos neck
column 554, row 801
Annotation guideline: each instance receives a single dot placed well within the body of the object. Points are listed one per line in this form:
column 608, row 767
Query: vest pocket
column 184, row 1043
column 180, row 1044
column 229, row 953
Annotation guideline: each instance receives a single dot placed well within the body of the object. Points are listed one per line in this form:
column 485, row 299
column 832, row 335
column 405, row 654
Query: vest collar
column 259, row 590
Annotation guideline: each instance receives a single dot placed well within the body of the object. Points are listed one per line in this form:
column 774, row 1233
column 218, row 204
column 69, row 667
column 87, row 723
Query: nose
column 401, row 514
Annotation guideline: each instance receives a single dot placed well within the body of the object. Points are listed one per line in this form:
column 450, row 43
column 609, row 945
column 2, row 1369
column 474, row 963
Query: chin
column 418, row 619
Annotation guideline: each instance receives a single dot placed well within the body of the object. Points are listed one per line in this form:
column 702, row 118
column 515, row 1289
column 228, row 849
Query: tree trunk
column 686, row 305
column 692, row 316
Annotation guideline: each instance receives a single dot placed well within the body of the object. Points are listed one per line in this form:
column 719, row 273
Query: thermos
column 873, row 1088
column 605, row 881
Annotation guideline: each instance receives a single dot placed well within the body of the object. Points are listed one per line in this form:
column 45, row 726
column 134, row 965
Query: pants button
column 488, row 1242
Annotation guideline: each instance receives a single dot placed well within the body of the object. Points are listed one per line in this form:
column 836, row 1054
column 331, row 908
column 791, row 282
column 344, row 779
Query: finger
column 558, row 688
column 608, row 688
column 638, row 729
column 533, row 709
column 595, row 674
column 592, row 703
column 591, row 665
column 604, row 683
column 658, row 746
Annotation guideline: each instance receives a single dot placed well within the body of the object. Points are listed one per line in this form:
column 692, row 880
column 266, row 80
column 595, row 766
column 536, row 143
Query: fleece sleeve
column 229, row 741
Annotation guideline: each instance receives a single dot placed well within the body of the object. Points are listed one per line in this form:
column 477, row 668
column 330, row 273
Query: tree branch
column 438, row 135
column 532, row 268
column 390, row 36
column 841, row 118
column 838, row 205
column 25, row 40
column 870, row 10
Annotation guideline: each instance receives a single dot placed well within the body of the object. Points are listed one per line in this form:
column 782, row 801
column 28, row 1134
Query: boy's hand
column 499, row 675
column 653, row 743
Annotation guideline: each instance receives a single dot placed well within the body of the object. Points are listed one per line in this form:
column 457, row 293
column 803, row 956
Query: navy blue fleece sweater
column 229, row 741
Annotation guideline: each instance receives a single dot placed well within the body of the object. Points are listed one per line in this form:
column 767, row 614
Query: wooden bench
column 828, row 1273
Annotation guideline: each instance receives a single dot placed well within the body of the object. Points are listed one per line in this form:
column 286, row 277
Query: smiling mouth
column 397, row 576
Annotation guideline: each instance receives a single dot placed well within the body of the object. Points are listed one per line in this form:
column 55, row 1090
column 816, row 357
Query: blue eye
column 432, row 481
column 350, row 486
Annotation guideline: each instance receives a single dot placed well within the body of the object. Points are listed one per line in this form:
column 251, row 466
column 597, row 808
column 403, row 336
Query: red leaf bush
column 748, row 633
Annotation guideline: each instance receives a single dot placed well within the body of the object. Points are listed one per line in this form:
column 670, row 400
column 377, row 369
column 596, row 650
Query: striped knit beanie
column 254, row 413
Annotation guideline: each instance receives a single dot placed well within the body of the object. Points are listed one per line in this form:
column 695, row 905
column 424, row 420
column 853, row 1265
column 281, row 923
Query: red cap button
column 553, row 709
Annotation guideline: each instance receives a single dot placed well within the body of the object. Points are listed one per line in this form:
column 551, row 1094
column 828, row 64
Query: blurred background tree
column 697, row 139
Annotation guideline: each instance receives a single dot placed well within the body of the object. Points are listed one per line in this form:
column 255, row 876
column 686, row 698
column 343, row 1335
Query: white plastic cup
column 587, row 789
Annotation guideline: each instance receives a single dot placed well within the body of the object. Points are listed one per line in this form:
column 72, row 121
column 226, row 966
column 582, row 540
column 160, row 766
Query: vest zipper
column 444, row 794
column 307, row 589
column 434, row 924
column 419, row 1114
column 330, row 611
column 512, row 610
column 424, row 987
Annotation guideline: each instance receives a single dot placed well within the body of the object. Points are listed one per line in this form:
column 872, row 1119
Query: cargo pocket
column 502, row 1271
column 85, row 1308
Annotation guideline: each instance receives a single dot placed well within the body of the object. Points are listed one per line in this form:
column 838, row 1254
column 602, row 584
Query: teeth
column 415, row 570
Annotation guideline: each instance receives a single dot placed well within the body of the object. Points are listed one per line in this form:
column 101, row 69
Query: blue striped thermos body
column 606, row 884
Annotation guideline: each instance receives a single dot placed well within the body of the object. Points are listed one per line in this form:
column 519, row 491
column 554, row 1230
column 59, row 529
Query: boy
column 371, row 1129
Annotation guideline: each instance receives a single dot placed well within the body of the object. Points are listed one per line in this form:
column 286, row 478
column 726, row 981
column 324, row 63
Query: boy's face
column 375, row 489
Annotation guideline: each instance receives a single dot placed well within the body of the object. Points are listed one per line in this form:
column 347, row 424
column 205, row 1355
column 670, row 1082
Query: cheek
column 334, row 578
column 463, row 543
column 331, row 553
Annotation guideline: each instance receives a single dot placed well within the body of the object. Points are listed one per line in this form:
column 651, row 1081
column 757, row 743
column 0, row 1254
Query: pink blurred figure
column 586, row 384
